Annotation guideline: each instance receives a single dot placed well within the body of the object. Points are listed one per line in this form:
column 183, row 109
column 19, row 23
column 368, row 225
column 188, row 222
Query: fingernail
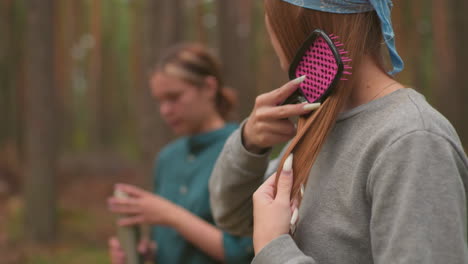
column 311, row 107
column 298, row 80
column 294, row 216
column 120, row 194
column 287, row 166
column 294, row 204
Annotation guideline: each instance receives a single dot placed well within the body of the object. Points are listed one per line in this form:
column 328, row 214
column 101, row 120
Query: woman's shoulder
column 413, row 113
column 408, row 117
column 405, row 114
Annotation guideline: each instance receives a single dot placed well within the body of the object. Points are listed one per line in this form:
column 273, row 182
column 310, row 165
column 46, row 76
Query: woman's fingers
column 263, row 130
column 278, row 127
column 116, row 253
column 147, row 247
column 130, row 202
column 114, row 243
column 131, row 190
column 122, row 201
column 282, row 111
column 124, row 209
column 278, row 96
column 285, row 181
column 131, row 220
column 269, row 133
column 294, row 205
column 265, row 193
column 143, row 246
column 266, row 207
column 268, row 187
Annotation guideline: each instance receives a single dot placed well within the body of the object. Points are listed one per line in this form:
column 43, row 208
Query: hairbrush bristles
column 347, row 68
column 322, row 60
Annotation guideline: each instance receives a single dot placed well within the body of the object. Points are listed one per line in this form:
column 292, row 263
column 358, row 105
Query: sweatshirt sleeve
column 417, row 189
column 282, row 250
column 235, row 177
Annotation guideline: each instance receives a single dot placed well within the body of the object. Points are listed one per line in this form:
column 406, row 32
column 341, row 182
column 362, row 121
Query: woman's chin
column 180, row 130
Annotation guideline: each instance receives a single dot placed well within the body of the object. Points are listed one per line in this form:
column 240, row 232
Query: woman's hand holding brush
column 268, row 123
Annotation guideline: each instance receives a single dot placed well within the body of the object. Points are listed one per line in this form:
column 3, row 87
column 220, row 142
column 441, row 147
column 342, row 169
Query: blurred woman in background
column 188, row 86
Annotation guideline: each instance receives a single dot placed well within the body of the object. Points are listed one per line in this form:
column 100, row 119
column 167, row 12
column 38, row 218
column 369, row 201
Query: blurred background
column 76, row 115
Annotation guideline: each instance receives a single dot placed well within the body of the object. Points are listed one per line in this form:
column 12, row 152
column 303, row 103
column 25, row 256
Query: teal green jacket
column 181, row 175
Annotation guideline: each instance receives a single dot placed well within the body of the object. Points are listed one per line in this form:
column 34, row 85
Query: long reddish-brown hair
column 361, row 35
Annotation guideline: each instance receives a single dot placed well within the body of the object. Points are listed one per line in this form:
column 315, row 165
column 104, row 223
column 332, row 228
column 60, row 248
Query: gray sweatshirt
column 389, row 186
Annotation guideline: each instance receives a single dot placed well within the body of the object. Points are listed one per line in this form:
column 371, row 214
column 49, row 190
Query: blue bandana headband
column 381, row 7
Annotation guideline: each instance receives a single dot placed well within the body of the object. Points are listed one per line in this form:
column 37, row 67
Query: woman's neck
column 371, row 83
column 211, row 123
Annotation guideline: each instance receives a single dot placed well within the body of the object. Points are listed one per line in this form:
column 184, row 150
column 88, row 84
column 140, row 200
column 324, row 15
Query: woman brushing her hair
column 378, row 175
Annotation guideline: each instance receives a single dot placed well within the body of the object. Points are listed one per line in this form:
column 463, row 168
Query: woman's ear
column 211, row 86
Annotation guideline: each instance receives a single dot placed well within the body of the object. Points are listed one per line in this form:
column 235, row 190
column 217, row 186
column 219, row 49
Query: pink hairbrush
column 321, row 59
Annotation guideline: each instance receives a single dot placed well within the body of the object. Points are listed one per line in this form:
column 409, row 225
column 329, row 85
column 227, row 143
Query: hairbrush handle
column 129, row 237
column 295, row 98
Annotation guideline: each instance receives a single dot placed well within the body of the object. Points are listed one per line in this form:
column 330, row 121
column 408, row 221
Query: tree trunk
column 40, row 206
column 156, row 29
column 6, row 63
column 444, row 58
column 416, row 47
column 460, row 40
column 62, row 63
column 200, row 27
column 18, row 77
column 95, row 88
column 235, row 49
column 448, row 94
column 66, row 31
column 175, row 24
